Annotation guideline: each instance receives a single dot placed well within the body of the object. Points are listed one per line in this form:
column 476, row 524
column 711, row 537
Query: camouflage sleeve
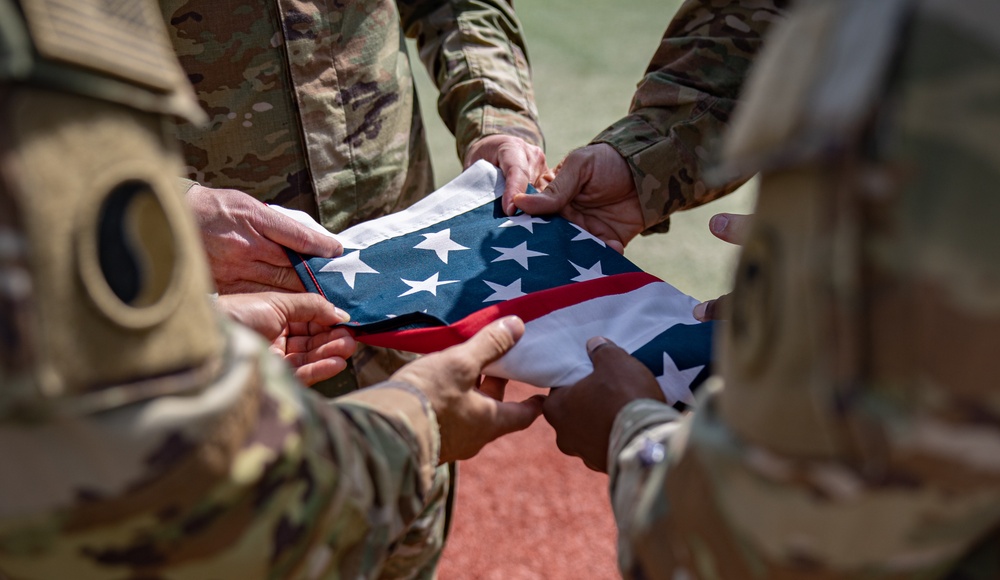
column 637, row 468
column 685, row 99
column 474, row 51
column 249, row 477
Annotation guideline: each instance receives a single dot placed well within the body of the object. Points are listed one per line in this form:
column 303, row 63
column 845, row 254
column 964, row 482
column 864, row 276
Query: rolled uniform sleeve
column 685, row 100
column 474, row 51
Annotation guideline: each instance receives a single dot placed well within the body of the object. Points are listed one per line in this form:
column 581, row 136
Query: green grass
column 587, row 56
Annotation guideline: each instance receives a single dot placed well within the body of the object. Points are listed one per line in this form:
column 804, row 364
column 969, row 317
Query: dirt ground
column 525, row 512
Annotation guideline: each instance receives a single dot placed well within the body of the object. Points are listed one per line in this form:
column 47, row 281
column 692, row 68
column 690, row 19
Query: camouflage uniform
column 857, row 434
column 685, row 100
column 142, row 436
column 313, row 106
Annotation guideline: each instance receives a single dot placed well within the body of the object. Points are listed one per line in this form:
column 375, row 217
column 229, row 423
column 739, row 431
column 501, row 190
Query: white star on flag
column 674, row 381
column 525, row 221
column 519, row 254
column 592, row 273
column 349, row 266
column 585, row 235
column 501, row 292
column 440, row 243
column 429, row 285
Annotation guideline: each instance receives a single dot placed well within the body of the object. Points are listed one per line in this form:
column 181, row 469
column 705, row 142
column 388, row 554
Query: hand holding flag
column 431, row 276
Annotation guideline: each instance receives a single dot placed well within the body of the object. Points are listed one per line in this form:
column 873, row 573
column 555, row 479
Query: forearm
column 401, row 405
column 350, row 475
column 344, row 477
column 474, row 51
column 684, row 102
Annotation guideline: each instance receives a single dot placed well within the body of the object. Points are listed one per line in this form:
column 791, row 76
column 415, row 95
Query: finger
column 493, row 387
column 301, row 350
column 513, row 162
column 560, row 191
column 712, row 309
column 312, row 373
column 268, row 277
column 597, row 228
column 309, row 328
column 287, row 232
column 553, row 409
column 604, row 352
column 309, row 307
column 300, row 340
column 701, row 310
column 544, row 179
column 249, row 287
column 730, row 227
column 491, row 342
column 511, row 417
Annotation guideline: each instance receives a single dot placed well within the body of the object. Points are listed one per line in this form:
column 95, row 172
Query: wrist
column 507, row 124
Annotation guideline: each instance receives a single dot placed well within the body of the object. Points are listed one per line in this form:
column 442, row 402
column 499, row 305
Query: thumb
column 558, row 194
column 602, row 351
column 492, row 342
column 730, row 227
column 712, row 309
column 511, row 417
column 309, row 307
column 284, row 230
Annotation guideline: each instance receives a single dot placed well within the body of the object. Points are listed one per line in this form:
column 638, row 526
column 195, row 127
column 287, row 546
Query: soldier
column 144, row 435
column 854, row 430
column 312, row 106
column 651, row 163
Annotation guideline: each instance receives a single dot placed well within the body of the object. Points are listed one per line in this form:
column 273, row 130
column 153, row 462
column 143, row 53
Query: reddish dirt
column 526, row 511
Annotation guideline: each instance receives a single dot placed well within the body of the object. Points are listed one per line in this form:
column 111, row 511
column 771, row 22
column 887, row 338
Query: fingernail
column 700, row 310
column 511, row 208
column 597, row 342
column 718, row 223
column 342, row 315
column 509, row 322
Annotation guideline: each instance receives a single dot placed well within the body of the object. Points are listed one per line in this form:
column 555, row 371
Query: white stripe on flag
column 553, row 348
column 479, row 184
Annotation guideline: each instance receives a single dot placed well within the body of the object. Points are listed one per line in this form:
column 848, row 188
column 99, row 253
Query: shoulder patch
column 125, row 39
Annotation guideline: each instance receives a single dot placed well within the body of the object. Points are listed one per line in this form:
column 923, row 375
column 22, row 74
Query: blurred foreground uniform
column 142, row 437
column 857, row 434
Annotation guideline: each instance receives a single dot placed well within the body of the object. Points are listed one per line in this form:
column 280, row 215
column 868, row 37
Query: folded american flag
column 429, row 277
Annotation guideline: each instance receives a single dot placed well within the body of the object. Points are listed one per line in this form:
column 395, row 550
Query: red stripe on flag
column 530, row 307
column 312, row 277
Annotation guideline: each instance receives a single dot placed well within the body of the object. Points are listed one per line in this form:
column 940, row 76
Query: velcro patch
column 125, row 39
